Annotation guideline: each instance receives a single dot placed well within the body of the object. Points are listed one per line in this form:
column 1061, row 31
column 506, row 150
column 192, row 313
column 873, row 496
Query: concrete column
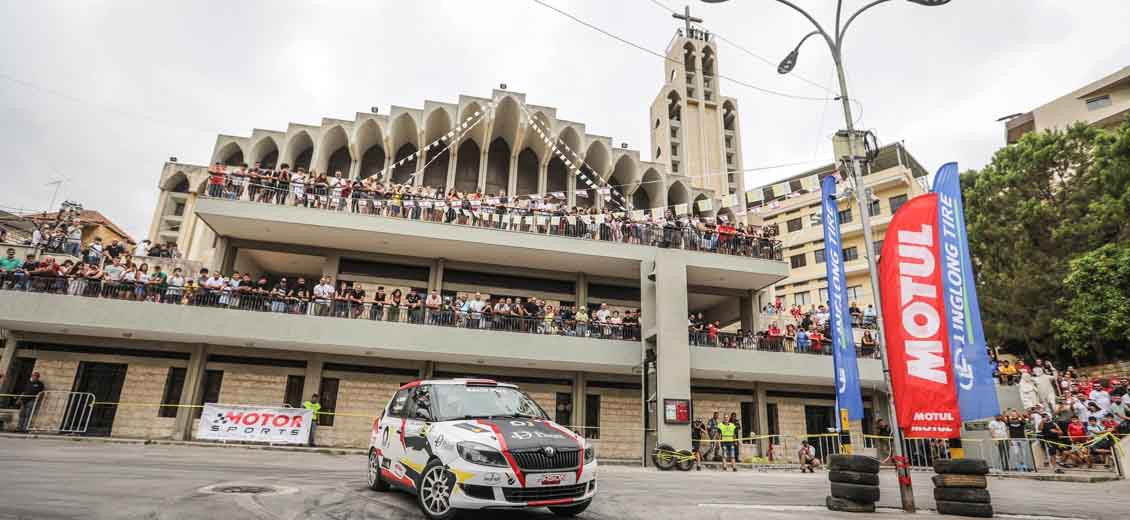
column 512, row 179
column 483, row 155
column 330, row 265
column 452, row 159
column 435, row 275
column 418, row 180
column 580, row 390
column 7, row 359
column 188, row 225
column 673, row 355
column 543, row 168
column 747, row 307
column 355, row 169
column 191, row 393
column 313, row 376
column 158, row 216
column 760, row 403
column 427, row 369
column 648, row 297
column 582, row 290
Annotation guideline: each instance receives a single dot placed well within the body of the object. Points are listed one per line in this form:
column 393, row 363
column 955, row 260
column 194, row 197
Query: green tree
column 1043, row 201
column 1096, row 302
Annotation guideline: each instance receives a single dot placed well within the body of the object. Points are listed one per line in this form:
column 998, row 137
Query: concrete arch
column 498, row 167
column 649, row 192
column 729, row 115
column 507, row 116
column 403, row 130
column 333, row 152
column 572, row 138
column 678, row 193
column 265, row 151
column 177, row 182
column 709, row 61
column 467, row 167
column 599, row 158
column 405, row 143
column 474, row 133
column 534, row 142
column 368, row 144
column 625, row 173
column 689, row 57
column 528, row 166
column 299, row 150
column 436, row 125
column 230, row 154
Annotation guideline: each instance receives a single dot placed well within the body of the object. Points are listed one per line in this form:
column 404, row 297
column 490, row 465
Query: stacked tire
column 961, row 488
column 855, row 483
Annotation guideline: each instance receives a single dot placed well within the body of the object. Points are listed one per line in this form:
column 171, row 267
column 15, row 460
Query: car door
column 390, row 438
column 415, row 423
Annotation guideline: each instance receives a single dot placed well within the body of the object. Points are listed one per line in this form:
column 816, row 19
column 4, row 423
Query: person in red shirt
column 1076, row 430
column 712, row 333
column 216, row 180
column 774, row 330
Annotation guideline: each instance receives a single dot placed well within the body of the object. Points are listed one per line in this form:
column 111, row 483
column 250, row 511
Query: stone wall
column 621, row 423
column 254, row 385
column 58, row 375
column 360, row 400
column 144, row 383
column 1118, row 369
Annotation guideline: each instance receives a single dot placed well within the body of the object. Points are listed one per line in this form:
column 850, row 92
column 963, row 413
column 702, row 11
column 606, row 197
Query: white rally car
column 478, row 444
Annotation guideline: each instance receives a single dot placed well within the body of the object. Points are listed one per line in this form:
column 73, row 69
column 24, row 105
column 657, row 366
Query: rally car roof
column 458, row 381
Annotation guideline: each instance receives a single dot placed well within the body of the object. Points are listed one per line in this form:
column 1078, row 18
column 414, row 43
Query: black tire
column 857, row 463
column 373, row 476
column 435, row 474
column 961, row 481
column 663, row 457
column 685, row 461
column 961, row 467
column 971, row 495
column 855, row 492
column 848, row 506
column 965, row 509
column 570, row 510
column 854, row 477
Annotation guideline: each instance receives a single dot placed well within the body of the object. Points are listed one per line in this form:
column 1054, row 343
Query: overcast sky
column 102, row 93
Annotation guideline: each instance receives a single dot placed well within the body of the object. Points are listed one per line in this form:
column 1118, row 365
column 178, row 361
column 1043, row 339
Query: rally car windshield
column 451, row 402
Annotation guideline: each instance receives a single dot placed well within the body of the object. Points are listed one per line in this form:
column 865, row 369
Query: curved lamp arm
column 843, row 30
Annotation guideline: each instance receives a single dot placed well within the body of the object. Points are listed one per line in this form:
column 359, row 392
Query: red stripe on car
column 539, row 503
column 403, row 480
column 580, row 446
column 505, row 451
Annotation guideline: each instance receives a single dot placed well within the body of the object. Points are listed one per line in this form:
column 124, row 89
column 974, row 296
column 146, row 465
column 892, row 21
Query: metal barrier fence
column 671, row 234
column 261, row 301
column 57, row 411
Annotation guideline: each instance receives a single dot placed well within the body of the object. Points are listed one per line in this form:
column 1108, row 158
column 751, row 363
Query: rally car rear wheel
column 373, row 475
column 434, row 491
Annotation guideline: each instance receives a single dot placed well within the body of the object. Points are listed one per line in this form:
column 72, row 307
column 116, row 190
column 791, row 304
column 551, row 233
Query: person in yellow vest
column 729, row 445
column 315, row 406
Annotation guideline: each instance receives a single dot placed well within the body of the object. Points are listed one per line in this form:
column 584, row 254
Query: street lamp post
column 835, row 46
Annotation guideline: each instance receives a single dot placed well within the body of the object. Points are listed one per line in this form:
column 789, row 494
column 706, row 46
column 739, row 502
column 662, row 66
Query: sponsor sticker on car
column 548, row 479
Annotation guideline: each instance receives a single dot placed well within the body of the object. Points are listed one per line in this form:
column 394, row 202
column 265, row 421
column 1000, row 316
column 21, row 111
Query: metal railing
column 57, row 411
column 674, row 234
column 331, row 307
column 766, row 343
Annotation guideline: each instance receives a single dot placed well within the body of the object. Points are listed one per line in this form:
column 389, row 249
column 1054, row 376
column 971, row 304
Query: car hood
column 519, row 434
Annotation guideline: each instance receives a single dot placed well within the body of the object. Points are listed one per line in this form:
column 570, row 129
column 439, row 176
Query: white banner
column 233, row 422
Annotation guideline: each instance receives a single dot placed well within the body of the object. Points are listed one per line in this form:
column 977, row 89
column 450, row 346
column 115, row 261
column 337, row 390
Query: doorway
column 104, row 380
column 821, row 420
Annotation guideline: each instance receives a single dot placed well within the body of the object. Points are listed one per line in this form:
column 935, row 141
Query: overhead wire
column 665, row 57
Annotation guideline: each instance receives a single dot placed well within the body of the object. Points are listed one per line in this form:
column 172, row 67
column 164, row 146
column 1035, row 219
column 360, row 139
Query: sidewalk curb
column 170, row 442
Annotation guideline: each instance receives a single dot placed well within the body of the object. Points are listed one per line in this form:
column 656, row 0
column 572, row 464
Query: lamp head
column 928, row 3
column 789, row 62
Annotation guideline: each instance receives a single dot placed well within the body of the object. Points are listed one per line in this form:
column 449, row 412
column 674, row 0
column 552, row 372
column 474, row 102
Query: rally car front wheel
column 434, row 491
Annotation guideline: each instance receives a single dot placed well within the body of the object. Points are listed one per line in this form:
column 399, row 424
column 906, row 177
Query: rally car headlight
column 590, row 454
column 481, row 454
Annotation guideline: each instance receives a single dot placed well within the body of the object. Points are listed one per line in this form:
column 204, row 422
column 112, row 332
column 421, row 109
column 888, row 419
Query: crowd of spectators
column 532, row 213
column 121, row 278
column 808, row 331
column 1077, row 418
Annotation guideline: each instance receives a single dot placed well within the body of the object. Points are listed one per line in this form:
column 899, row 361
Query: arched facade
column 677, row 193
column 299, row 150
column 333, row 152
column 368, row 143
column 230, row 154
column 265, row 152
column 438, row 158
column 405, row 141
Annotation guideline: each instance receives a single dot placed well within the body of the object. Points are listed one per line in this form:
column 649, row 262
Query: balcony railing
column 157, row 293
column 677, row 234
column 767, row 343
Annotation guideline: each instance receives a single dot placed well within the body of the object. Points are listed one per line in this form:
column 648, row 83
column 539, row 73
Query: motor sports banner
column 276, row 425
column 976, row 393
column 844, row 361
column 918, row 354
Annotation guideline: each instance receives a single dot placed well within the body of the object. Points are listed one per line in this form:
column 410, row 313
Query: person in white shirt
column 323, row 296
column 998, row 430
column 1100, row 396
column 142, row 249
column 36, row 237
column 603, row 313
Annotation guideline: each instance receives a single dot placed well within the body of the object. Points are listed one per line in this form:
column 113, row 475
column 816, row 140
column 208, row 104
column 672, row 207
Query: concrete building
column 146, row 353
column 793, row 205
column 1104, row 103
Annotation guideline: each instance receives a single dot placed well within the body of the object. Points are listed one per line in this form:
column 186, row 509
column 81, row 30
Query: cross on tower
column 687, row 19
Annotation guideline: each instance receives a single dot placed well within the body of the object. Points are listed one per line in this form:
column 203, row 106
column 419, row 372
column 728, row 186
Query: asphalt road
column 50, row 479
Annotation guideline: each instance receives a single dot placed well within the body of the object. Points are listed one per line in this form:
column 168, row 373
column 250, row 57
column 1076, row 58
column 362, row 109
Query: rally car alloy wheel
column 434, row 491
column 373, row 475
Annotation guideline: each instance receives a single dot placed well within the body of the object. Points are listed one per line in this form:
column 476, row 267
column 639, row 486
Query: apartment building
column 1104, row 103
